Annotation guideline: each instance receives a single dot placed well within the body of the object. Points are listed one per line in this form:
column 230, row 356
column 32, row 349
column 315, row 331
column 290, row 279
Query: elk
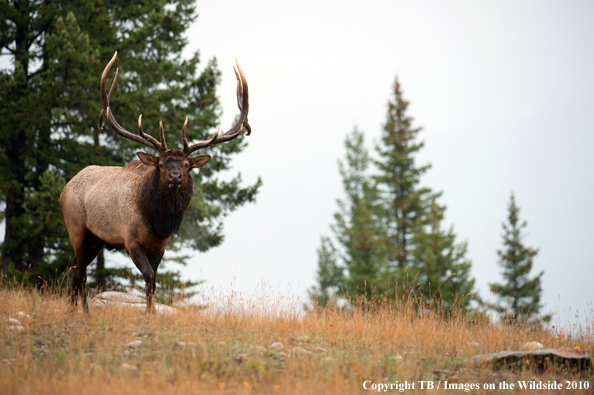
column 139, row 206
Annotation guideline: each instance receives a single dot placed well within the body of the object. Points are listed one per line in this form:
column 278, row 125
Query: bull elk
column 139, row 206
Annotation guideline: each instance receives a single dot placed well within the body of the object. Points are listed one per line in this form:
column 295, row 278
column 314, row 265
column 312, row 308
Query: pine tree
column 439, row 264
column 388, row 230
column 50, row 104
column 356, row 268
column 520, row 292
column 403, row 199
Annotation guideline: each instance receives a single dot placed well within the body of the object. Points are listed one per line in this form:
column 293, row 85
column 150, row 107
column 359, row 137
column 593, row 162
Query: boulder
column 127, row 301
column 570, row 358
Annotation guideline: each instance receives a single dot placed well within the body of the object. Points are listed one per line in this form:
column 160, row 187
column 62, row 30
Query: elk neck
column 162, row 208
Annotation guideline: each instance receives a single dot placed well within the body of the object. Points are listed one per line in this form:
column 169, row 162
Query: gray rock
column 125, row 300
column 566, row 356
column 277, row 346
column 14, row 321
column 16, row 328
column 135, row 344
column 532, row 346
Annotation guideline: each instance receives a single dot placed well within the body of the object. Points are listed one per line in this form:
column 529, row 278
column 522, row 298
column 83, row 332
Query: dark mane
column 163, row 209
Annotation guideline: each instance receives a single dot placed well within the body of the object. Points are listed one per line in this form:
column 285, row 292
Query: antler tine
column 184, row 139
column 148, row 137
column 162, row 134
column 242, row 103
column 108, row 114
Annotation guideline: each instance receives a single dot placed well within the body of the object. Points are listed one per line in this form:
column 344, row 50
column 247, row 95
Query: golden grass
column 327, row 352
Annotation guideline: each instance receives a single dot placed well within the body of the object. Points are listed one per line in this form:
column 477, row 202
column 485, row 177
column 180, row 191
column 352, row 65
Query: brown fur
column 136, row 207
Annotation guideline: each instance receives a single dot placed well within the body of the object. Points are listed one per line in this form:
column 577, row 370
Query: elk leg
column 141, row 261
column 86, row 249
column 74, row 284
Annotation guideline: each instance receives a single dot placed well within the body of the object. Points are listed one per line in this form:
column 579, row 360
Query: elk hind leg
column 86, row 248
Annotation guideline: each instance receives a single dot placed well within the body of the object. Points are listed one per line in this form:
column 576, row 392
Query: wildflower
column 147, row 372
column 246, row 384
column 577, row 348
column 221, row 386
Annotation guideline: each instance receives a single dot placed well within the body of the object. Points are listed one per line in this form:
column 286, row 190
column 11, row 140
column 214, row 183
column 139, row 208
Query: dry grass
column 327, row 352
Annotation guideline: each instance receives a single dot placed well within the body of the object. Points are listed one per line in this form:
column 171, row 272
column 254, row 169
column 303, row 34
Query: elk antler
column 106, row 113
column 242, row 103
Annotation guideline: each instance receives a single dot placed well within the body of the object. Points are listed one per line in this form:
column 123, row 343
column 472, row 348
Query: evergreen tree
column 520, row 292
column 356, row 268
column 50, row 104
column 439, row 264
column 389, row 228
column 405, row 202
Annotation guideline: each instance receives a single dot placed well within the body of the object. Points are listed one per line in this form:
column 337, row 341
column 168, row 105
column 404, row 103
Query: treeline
column 389, row 240
column 49, row 104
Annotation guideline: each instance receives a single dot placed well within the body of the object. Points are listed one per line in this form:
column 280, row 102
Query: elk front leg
column 141, row 261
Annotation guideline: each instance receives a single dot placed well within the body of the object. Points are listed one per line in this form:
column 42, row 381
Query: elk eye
column 186, row 165
column 161, row 166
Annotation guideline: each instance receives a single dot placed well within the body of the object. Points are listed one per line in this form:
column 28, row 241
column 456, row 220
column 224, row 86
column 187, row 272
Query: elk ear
column 147, row 159
column 199, row 161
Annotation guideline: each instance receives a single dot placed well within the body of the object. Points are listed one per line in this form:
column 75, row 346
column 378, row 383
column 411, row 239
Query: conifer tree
column 389, row 229
column 356, row 267
column 519, row 292
column 439, row 264
column 404, row 201
column 50, row 103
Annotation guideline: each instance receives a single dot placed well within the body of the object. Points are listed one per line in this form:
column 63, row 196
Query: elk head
column 174, row 164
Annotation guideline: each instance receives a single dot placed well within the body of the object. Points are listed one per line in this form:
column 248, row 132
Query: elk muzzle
column 174, row 180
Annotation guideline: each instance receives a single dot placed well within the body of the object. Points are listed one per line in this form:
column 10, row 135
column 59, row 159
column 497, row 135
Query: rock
column 277, row 346
column 565, row 356
column 126, row 300
column 398, row 358
column 532, row 346
column 22, row 314
column 135, row 344
column 181, row 344
column 13, row 321
column 472, row 345
column 320, row 349
column 125, row 366
column 191, row 344
column 16, row 328
column 327, row 359
column 239, row 358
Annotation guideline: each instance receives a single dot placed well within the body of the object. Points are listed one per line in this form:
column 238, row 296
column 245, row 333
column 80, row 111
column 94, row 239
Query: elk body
column 139, row 206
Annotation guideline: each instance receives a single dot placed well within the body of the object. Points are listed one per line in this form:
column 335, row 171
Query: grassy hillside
column 204, row 351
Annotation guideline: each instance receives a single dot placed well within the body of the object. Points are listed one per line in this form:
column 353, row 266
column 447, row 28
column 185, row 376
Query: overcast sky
column 504, row 92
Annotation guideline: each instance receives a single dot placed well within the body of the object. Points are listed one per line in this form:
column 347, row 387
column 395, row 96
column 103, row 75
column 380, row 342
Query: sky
column 504, row 92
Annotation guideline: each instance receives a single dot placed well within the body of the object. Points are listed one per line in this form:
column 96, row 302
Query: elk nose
column 175, row 177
